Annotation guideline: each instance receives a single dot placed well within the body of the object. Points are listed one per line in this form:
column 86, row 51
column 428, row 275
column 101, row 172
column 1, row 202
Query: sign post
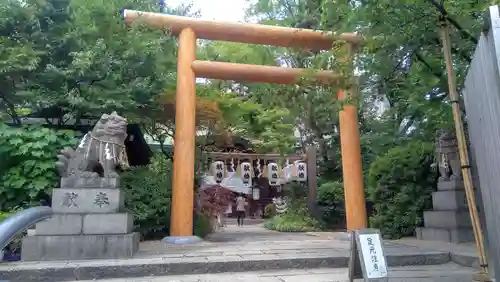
column 367, row 259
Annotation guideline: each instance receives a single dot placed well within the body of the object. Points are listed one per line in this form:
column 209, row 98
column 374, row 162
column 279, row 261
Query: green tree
column 81, row 57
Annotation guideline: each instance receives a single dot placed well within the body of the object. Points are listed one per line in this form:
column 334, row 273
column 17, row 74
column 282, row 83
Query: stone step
column 451, row 235
column 449, row 200
column 179, row 264
column 436, row 273
column 447, row 219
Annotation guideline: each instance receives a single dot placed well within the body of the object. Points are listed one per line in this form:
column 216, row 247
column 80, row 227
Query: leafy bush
column 148, row 195
column 203, row 225
column 295, row 219
column 27, row 169
column 269, row 210
column 330, row 199
column 400, row 186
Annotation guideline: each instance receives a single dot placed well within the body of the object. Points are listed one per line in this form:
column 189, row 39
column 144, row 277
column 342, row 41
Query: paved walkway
column 232, row 249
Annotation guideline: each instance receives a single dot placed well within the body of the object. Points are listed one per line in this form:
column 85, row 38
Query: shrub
column 27, row 169
column 148, row 196
column 400, row 187
column 295, row 219
column 269, row 210
column 203, row 225
column 330, row 200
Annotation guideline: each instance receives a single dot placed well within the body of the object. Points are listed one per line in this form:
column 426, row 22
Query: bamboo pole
column 463, row 151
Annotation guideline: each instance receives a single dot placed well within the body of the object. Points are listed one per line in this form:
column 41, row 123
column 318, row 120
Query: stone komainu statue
column 93, row 164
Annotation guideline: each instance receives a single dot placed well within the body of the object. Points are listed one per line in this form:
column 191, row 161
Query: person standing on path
column 240, row 209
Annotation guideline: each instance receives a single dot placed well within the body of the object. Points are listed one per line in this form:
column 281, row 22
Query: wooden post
column 312, row 180
column 354, row 192
column 181, row 222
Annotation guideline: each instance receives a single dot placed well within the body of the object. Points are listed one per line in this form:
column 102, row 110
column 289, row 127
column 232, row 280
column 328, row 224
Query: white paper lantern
column 301, row 168
column 218, row 169
column 256, row 193
column 246, row 173
column 273, row 174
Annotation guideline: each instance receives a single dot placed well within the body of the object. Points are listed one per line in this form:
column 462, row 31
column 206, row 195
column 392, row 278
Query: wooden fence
column 482, row 104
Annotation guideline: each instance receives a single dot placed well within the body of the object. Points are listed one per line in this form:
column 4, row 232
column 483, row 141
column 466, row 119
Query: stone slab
column 181, row 240
column 436, row 273
column 105, row 269
column 60, row 224
column 449, row 200
column 107, row 223
column 450, row 185
column 78, row 247
column 97, row 182
column 451, row 235
column 447, row 219
column 87, row 200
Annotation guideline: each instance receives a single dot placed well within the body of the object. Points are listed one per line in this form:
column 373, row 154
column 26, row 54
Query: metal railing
column 21, row 221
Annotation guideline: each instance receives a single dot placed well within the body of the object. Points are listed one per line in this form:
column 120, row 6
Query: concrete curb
column 76, row 272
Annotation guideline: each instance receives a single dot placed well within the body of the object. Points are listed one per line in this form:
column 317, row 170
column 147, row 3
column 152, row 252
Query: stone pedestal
column 449, row 221
column 88, row 223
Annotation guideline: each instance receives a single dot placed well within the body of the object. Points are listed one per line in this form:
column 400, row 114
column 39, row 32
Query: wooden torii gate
column 188, row 68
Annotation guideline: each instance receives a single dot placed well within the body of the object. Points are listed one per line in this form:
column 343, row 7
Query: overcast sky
column 225, row 10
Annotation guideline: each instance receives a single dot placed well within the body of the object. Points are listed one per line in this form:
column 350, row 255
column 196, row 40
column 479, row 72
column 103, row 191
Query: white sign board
column 367, row 260
column 373, row 256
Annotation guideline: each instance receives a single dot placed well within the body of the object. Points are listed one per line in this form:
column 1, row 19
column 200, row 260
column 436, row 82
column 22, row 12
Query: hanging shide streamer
column 218, row 170
column 273, row 173
column 246, row 173
column 301, row 169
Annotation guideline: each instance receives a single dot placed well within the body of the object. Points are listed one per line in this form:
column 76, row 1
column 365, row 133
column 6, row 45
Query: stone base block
column 93, row 182
column 61, row 224
column 107, row 223
column 449, row 200
column 181, row 240
column 455, row 184
column 447, row 219
column 456, row 235
column 78, row 247
column 86, row 200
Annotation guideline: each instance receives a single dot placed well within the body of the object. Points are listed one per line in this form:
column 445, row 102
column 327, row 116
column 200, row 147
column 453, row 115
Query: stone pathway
column 441, row 273
column 233, row 249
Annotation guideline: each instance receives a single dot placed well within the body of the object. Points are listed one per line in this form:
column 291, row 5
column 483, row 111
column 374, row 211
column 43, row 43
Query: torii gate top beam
column 244, row 32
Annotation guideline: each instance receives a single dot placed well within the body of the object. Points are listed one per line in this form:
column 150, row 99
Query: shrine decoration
column 301, row 171
column 256, row 193
column 287, row 172
column 218, row 170
column 259, row 169
column 280, row 204
column 245, row 171
column 273, row 174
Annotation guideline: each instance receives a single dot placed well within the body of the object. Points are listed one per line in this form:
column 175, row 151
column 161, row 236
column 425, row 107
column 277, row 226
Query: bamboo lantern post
column 190, row 29
column 463, row 151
